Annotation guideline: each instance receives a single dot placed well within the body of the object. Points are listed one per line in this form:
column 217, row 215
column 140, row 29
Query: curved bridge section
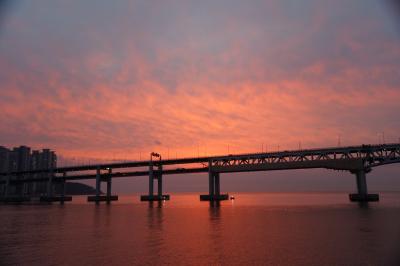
column 359, row 160
column 348, row 158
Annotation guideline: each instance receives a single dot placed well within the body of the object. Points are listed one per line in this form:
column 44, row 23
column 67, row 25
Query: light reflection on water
column 255, row 228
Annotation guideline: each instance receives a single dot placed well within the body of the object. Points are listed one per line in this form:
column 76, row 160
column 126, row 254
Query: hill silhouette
column 73, row 188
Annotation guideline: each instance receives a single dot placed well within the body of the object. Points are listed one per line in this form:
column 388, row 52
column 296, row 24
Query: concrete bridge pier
column 98, row 184
column 362, row 191
column 159, row 182
column 62, row 185
column 155, row 175
column 151, row 179
column 216, row 185
column 50, row 184
column 64, row 198
column 214, row 193
column 50, row 197
column 109, row 196
column 211, row 183
column 98, row 197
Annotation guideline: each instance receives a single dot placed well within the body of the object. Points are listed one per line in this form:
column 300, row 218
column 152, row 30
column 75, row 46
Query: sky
column 119, row 79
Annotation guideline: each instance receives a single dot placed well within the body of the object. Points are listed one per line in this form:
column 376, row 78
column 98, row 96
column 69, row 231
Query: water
column 254, row 229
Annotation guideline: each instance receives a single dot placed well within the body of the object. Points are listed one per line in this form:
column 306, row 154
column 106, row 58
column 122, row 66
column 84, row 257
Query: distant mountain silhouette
column 73, row 188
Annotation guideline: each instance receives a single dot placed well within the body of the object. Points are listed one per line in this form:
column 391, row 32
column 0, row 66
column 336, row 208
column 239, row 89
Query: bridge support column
column 217, row 191
column 158, row 175
column 362, row 191
column 159, row 182
column 61, row 198
column 151, row 180
column 98, row 185
column 50, row 184
column 214, row 193
column 63, row 189
column 211, row 183
column 109, row 197
column 361, row 183
column 98, row 197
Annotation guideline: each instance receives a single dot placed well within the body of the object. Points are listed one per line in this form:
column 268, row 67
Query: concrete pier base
column 362, row 191
column 214, row 197
column 363, row 197
column 154, row 197
column 15, row 199
column 55, row 198
column 214, row 193
column 102, row 198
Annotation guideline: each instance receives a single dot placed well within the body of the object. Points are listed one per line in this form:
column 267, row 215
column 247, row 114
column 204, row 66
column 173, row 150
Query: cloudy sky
column 118, row 79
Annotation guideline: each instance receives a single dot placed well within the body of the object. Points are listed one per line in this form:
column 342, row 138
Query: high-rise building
column 4, row 163
column 45, row 159
column 23, row 156
column 4, row 159
column 22, row 159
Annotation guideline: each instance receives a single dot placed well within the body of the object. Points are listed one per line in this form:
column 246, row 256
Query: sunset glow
column 191, row 78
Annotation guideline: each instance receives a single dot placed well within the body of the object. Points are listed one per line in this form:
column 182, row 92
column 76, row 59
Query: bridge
column 359, row 160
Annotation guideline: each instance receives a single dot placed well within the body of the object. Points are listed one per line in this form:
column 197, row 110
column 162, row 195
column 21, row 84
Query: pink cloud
column 252, row 85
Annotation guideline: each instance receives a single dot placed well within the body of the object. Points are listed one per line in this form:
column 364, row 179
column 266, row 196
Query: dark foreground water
column 254, row 229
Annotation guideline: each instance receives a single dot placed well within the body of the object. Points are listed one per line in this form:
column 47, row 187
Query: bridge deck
column 339, row 158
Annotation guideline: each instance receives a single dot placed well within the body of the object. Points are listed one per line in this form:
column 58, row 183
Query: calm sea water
column 254, row 229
